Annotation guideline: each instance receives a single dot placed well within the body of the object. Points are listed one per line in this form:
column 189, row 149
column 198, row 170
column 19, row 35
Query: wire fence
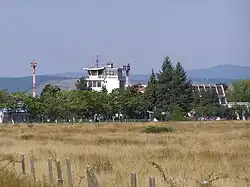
column 22, row 117
column 55, row 175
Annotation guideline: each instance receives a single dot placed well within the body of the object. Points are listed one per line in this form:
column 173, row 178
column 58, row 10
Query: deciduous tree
column 81, row 84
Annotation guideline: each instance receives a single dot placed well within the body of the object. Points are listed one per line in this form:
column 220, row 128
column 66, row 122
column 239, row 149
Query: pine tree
column 152, row 80
column 183, row 89
column 165, row 86
column 151, row 92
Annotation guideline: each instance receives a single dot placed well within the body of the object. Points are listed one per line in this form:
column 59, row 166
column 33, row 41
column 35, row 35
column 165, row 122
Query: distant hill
column 24, row 84
column 71, row 74
column 222, row 73
column 227, row 72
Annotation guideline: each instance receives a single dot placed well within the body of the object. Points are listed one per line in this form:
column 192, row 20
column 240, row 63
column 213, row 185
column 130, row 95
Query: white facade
column 218, row 89
column 106, row 76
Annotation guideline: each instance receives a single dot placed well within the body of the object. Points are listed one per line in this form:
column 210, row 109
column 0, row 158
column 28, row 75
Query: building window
column 100, row 72
column 99, row 84
column 94, row 83
column 94, row 73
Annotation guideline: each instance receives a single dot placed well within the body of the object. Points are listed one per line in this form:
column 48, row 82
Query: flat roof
column 94, row 68
column 207, row 85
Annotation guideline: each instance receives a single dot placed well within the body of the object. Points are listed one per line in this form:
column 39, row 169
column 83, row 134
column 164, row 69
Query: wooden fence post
column 133, row 179
column 204, row 184
column 32, row 168
column 59, row 173
column 22, row 163
column 44, row 181
column 50, row 171
column 70, row 183
column 92, row 181
column 151, row 181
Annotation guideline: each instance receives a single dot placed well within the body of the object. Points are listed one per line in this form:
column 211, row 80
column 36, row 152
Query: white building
column 219, row 90
column 106, row 76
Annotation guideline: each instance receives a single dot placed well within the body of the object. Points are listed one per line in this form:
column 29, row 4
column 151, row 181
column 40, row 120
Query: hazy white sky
column 63, row 35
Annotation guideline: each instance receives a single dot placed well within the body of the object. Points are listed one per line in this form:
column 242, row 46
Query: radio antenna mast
column 97, row 60
column 33, row 65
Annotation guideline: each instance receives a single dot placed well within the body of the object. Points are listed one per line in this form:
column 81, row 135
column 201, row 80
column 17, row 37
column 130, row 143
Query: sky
column 64, row 36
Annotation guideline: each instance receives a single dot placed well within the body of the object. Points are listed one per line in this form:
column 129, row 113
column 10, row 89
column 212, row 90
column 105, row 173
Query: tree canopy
column 240, row 91
column 81, row 84
column 169, row 94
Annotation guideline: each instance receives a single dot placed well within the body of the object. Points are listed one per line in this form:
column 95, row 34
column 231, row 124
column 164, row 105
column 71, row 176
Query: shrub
column 27, row 137
column 157, row 129
column 11, row 179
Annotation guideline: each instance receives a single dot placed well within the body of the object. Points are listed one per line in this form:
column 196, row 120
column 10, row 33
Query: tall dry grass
column 194, row 151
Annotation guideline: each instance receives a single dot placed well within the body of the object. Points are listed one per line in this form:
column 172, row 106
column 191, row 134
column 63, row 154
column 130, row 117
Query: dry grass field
column 195, row 150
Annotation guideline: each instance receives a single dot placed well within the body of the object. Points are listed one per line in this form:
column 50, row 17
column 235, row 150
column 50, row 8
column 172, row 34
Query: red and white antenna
column 33, row 65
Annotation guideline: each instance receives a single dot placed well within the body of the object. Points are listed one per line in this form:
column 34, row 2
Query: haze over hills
column 222, row 73
column 226, row 71
column 24, row 84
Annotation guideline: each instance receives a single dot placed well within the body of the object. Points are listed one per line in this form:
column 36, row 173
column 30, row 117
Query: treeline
column 169, row 95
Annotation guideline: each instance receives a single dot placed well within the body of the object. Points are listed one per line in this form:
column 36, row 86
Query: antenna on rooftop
column 126, row 68
column 97, row 61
